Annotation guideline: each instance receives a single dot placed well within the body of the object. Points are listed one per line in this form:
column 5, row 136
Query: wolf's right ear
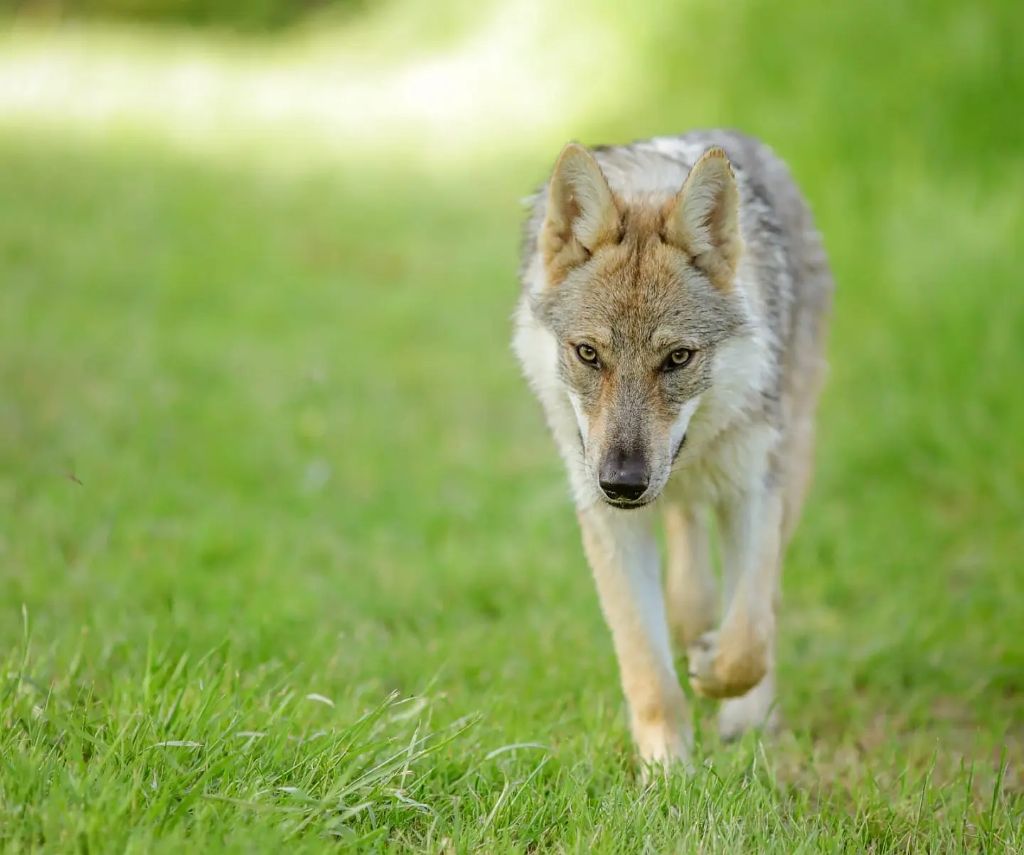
column 581, row 213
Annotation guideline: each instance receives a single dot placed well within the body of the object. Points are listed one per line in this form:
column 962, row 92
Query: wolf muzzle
column 624, row 476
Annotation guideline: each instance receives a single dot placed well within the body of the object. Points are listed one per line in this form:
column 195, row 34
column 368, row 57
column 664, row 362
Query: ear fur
column 581, row 213
column 703, row 218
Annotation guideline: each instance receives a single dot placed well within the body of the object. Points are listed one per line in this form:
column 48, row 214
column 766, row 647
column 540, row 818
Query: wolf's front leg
column 623, row 555
column 732, row 660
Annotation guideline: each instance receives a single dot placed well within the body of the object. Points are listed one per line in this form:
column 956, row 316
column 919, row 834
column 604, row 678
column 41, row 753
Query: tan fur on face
column 634, row 300
column 583, row 215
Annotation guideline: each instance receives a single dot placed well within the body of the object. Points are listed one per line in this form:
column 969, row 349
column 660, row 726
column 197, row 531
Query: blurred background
column 257, row 265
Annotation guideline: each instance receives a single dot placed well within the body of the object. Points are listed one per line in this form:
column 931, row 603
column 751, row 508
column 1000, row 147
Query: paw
column 662, row 745
column 663, row 751
column 719, row 668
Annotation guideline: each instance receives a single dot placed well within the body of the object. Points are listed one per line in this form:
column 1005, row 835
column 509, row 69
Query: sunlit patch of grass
column 518, row 65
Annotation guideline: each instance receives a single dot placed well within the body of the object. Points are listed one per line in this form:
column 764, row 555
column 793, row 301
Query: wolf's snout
column 624, row 476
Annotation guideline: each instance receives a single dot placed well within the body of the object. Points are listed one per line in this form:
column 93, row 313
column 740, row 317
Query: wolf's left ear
column 703, row 219
column 581, row 213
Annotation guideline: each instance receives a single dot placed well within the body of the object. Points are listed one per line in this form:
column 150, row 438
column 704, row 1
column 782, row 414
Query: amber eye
column 677, row 359
column 587, row 354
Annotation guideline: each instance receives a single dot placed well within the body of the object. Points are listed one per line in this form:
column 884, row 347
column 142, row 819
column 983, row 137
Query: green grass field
column 287, row 558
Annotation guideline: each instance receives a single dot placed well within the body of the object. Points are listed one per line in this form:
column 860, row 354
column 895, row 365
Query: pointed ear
column 581, row 214
column 703, row 219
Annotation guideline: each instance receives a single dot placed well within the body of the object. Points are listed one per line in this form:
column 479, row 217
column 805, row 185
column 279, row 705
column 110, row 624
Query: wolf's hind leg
column 690, row 588
column 800, row 453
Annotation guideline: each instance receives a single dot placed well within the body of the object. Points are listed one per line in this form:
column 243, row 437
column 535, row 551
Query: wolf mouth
column 628, row 506
column 679, row 448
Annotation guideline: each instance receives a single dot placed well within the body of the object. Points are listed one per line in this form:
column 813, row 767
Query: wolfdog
column 672, row 323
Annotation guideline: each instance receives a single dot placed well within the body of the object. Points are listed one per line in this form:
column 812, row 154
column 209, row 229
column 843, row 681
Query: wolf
column 672, row 321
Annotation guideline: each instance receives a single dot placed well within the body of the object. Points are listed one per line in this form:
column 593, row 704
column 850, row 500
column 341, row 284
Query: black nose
column 624, row 476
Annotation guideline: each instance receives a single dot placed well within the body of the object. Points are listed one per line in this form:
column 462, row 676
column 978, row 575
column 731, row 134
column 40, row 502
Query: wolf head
column 639, row 293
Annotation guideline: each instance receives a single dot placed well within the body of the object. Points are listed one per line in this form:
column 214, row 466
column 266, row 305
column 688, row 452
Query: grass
column 287, row 557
